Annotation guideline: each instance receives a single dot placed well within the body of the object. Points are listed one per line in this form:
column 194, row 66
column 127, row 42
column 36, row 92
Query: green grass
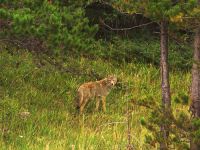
column 27, row 84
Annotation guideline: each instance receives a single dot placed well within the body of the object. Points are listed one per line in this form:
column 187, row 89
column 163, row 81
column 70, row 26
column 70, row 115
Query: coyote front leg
column 97, row 103
column 83, row 104
column 104, row 103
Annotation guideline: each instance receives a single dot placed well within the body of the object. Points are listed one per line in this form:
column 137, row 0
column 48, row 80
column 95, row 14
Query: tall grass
column 29, row 84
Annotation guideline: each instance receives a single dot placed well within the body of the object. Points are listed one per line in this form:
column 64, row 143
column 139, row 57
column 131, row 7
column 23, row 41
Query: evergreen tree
column 189, row 18
column 164, row 12
column 195, row 87
column 50, row 26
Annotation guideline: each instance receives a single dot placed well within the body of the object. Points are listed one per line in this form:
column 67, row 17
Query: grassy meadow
column 30, row 83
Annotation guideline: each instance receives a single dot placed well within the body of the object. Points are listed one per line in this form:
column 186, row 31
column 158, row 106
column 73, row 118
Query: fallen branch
column 123, row 29
column 110, row 123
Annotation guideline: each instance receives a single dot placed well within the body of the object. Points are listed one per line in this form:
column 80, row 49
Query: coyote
column 98, row 89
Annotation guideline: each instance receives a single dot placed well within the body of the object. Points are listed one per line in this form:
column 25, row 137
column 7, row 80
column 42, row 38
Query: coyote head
column 111, row 80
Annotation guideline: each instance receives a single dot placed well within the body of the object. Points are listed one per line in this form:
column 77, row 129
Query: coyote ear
column 112, row 76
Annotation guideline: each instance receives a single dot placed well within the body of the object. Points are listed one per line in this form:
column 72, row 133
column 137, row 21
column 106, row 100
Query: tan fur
column 97, row 90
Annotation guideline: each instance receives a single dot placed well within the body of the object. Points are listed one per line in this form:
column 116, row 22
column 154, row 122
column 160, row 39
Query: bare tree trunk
column 166, row 98
column 195, row 87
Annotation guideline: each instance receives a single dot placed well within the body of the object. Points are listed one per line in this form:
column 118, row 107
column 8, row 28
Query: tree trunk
column 195, row 87
column 166, row 98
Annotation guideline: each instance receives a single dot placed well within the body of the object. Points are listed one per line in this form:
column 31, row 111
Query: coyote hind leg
column 79, row 100
column 84, row 102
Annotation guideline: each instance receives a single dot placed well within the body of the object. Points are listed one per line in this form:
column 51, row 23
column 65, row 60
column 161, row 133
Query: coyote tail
column 78, row 100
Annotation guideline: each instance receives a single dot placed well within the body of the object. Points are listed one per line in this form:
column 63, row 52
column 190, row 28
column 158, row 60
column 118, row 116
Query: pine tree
column 165, row 13
column 48, row 26
column 195, row 87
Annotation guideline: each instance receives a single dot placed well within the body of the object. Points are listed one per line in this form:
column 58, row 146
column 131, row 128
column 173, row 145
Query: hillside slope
column 30, row 83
